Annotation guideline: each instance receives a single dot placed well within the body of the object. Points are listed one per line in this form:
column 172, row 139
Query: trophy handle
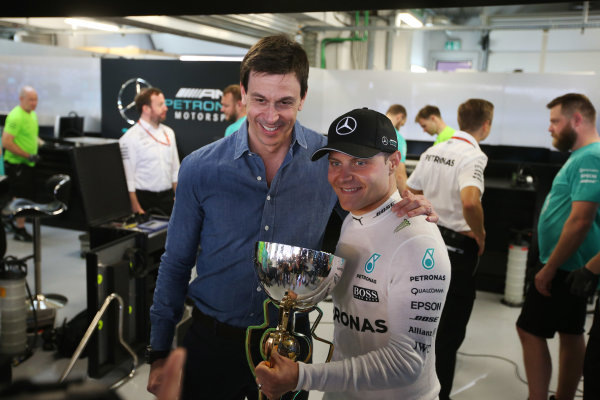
column 314, row 335
column 249, row 336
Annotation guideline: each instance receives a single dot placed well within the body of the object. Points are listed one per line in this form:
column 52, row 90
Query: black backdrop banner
column 192, row 92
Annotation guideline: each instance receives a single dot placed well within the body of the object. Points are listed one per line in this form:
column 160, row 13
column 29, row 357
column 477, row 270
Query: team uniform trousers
column 462, row 251
column 216, row 365
column 21, row 180
column 156, row 202
column 443, row 171
column 591, row 364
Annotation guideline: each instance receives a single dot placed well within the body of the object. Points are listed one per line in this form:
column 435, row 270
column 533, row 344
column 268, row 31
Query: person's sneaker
column 22, row 235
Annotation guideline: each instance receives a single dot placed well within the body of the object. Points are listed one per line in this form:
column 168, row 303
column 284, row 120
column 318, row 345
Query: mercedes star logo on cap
column 346, row 126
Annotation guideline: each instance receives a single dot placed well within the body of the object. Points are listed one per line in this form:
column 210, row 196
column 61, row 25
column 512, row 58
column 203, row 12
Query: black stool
column 58, row 187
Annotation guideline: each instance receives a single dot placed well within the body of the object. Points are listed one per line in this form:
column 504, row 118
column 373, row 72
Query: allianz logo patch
column 364, row 294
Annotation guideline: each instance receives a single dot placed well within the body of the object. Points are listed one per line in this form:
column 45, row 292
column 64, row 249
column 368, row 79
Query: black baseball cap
column 360, row 133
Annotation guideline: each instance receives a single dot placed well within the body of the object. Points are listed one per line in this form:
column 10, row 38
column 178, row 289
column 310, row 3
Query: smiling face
column 563, row 134
column 362, row 184
column 272, row 103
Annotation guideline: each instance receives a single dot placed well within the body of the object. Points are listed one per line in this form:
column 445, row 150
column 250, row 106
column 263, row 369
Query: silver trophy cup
column 295, row 279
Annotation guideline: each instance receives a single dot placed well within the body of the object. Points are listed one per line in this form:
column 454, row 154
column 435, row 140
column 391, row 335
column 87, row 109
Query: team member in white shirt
column 389, row 299
column 150, row 156
column 450, row 175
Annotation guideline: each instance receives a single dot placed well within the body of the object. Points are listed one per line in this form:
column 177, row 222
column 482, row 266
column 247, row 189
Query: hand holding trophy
column 295, row 279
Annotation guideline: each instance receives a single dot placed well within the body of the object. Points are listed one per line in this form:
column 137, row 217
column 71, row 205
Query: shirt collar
column 377, row 214
column 468, row 137
column 241, row 140
column 148, row 126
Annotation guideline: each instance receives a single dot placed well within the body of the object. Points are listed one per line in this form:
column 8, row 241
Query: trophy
column 295, row 279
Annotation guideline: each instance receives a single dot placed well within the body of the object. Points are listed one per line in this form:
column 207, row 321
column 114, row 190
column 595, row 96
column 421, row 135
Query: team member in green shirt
column 430, row 119
column 568, row 237
column 20, row 139
column 232, row 107
column 397, row 114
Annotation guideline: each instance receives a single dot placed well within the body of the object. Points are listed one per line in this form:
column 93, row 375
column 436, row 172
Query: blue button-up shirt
column 224, row 205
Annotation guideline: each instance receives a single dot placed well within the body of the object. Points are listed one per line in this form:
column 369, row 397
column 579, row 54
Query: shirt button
column 259, row 178
column 252, row 314
column 266, row 227
column 268, row 197
column 258, row 289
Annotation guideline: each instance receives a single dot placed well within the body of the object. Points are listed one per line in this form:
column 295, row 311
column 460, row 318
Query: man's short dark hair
column 396, row 109
column 473, row 113
column 427, row 112
column 235, row 92
column 573, row 102
column 144, row 97
column 276, row 55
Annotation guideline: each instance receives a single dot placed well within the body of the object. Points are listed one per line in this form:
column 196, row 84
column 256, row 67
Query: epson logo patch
column 363, row 294
column 426, row 305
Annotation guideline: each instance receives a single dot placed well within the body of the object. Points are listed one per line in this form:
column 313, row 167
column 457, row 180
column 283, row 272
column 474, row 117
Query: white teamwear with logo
column 444, row 170
column 150, row 157
column 386, row 310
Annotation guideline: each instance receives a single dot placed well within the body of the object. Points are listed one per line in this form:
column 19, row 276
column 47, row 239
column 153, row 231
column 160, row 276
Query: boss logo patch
column 363, row 294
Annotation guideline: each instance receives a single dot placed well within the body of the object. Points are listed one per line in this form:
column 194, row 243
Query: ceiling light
column 211, row 58
column 86, row 23
column 408, row 19
column 417, row 68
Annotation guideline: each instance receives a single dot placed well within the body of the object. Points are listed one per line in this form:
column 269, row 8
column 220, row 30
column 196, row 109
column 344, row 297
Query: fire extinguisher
column 13, row 307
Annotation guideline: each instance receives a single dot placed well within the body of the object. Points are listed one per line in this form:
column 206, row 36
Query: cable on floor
column 579, row 391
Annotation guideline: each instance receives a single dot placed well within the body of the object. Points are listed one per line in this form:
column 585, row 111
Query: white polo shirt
column 387, row 307
column 150, row 157
column 444, row 170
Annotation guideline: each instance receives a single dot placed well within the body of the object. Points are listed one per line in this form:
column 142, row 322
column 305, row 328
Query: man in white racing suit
column 389, row 300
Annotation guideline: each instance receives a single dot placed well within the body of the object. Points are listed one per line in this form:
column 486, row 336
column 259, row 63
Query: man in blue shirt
column 256, row 184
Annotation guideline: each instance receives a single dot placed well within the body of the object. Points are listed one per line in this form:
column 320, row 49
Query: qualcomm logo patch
column 428, row 262
column 370, row 264
column 346, row 126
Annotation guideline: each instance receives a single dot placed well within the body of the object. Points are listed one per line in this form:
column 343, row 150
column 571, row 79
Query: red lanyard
column 459, row 138
column 168, row 143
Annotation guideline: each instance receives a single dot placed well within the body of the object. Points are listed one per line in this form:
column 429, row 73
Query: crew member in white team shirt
column 150, row 156
column 389, row 300
column 450, row 174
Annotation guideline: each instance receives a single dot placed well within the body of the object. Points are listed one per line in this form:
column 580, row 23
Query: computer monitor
column 69, row 126
column 101, row 179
